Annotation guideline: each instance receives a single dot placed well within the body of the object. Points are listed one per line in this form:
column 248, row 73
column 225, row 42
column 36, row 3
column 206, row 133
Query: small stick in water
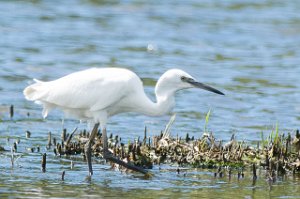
column 44, row 163
column 187, row 137
column 11, row 111
column 49, row 140
column 145, row 136
column 72, row 164
column 220, row 172
column 63, row 175
column 54, row 141
column 254, row 172
column 55, row 151
column 15, row 147
column 12, row 157
column 149, row 141
column 28, row 134
column 63, row 137
column 70, row 136
column 59, row 150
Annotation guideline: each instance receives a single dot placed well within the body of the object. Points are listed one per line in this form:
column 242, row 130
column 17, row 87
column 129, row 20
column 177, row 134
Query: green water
column 248, row 49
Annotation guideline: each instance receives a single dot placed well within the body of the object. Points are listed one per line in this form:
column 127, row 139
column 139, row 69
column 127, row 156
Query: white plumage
column 98, row 93
column 85, row 93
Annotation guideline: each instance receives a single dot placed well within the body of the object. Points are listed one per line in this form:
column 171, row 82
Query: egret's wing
column 82, row 90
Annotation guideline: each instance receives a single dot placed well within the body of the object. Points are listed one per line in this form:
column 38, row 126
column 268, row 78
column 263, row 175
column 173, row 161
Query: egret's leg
column 88, row 149
column 109, row 156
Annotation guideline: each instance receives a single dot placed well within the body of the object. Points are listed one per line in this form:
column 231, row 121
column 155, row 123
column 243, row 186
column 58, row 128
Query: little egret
column 96, row 94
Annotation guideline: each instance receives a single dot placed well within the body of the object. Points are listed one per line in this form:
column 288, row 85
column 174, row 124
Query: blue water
column 250, row 50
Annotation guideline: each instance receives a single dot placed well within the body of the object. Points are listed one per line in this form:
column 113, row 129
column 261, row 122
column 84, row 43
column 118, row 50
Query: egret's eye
column 183, row 78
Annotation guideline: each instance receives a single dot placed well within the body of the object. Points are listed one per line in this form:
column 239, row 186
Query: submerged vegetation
column 279, row 154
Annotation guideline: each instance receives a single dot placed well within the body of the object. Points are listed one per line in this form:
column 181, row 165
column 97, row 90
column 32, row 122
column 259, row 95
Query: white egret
column 96, row 94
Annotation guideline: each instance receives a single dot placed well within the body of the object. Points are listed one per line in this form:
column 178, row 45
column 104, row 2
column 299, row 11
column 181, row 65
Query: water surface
column 248, row 49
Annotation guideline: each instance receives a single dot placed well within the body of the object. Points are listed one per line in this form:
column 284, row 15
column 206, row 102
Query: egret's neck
column 162, row 106
column 165, row 102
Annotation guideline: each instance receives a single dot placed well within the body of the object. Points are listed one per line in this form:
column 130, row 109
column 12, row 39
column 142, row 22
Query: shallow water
column 248, row 49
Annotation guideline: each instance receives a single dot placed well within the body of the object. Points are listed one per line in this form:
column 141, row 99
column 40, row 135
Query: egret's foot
column 108, row 156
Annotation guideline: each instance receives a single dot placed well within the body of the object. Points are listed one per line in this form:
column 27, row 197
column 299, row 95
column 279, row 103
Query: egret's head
column 176, row 79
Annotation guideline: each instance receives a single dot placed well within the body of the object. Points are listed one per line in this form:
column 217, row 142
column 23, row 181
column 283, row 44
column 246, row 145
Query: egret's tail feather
column 29, row 92
column 35, row 91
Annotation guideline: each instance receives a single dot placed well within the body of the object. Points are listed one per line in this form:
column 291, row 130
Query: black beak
column 203, row 86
